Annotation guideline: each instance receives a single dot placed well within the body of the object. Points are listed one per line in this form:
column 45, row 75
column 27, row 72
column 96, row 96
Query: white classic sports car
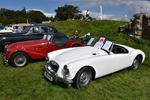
column 79, row 65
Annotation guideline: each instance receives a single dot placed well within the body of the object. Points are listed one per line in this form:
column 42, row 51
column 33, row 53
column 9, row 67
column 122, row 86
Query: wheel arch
column 20, row 52
column 2, row 44
column 13, row 61
column 71, row 44
column 92, row 70
column 4, row 40
column 140, row 55
column 76, row 45
column 138, row 59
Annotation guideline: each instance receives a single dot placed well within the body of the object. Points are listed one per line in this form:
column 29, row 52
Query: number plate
column 48, row 76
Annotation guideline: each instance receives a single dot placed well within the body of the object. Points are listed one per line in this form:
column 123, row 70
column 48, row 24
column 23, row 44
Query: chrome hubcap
column 84, row 78
column 20, row 60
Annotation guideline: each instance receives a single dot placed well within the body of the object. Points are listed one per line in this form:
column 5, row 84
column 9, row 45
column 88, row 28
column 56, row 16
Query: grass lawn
column 28, row 83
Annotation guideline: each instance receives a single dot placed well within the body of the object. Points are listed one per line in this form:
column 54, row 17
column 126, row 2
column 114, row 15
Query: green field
column 28, row 83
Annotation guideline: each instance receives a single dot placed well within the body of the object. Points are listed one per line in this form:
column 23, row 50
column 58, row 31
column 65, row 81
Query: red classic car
column 18, row 54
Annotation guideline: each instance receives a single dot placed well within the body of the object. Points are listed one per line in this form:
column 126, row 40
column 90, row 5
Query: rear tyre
column 19, row 59
column 3, row 46
column 82, row 78
column 136, row 63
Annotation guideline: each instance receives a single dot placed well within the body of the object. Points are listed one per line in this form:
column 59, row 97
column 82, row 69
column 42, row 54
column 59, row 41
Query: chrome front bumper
column 4, row 57
column 54, row 77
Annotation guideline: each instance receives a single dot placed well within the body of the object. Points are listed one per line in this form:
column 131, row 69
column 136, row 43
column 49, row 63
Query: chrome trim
column 4, row 57
column 54, row 65
column 55, row 76
column 47, row 57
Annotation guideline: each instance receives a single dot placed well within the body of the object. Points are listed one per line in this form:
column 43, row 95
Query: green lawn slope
column 28, row 83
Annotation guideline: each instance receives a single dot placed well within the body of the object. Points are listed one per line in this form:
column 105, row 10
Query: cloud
column 93, row 3
column 107, row 16
column 132, row 7
column 49, row 14
column 115, row 17
column 45, row 13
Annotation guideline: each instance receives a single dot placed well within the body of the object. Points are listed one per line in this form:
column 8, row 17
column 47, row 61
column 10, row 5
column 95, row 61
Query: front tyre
column 19, row 59
column 82, row 78
column 136, row 63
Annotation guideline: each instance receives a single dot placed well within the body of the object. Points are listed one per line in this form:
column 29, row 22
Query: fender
column 70, row 44
column 136, row 52
column 3, row 40
column 75, row 66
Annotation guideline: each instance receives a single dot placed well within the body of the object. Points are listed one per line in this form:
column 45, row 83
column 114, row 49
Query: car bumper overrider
column 4, row 57
column 50, row 75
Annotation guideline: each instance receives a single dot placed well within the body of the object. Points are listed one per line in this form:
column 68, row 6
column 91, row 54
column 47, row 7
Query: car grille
column 5, row 52
column 54, row 66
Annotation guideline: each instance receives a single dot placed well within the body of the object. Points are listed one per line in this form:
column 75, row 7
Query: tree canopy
column 36, row 16
column 22, row 16
column 10, row 16
column 67, row 11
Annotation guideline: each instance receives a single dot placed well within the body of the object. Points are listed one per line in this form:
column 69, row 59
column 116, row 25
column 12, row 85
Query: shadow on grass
column 37, row 60
column 62, row 85
column 146, row 64
column 31, row 61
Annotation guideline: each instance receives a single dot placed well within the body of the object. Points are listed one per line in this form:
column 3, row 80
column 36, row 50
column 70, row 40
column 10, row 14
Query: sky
column 111, row 9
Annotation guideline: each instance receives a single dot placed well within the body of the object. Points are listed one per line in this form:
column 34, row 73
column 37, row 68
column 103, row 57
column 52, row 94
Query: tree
column 20, row 16
column 62, row 13
column 11, row 16
column 51, row 18
column 36, row 16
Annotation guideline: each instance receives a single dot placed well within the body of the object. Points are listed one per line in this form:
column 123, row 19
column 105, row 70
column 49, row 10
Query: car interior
column 60, row 39
column 60, row 42
column 118, row 49
column 108, row 46
column 44, row 29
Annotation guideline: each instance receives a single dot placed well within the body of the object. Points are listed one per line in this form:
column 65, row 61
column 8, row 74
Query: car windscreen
column 26, row 29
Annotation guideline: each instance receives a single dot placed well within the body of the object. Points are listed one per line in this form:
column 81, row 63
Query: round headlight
column 65, row 71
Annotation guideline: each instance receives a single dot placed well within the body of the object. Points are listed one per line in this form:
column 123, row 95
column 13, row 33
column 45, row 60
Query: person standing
column 87, row 14
column 19, row 29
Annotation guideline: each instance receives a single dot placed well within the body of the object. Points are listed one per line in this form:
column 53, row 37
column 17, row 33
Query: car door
column 51, row 46
column 121, row 61
column 110, row 63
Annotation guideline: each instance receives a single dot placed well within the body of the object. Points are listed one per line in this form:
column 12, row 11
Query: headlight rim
column 47, row 57
column 65, row 72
